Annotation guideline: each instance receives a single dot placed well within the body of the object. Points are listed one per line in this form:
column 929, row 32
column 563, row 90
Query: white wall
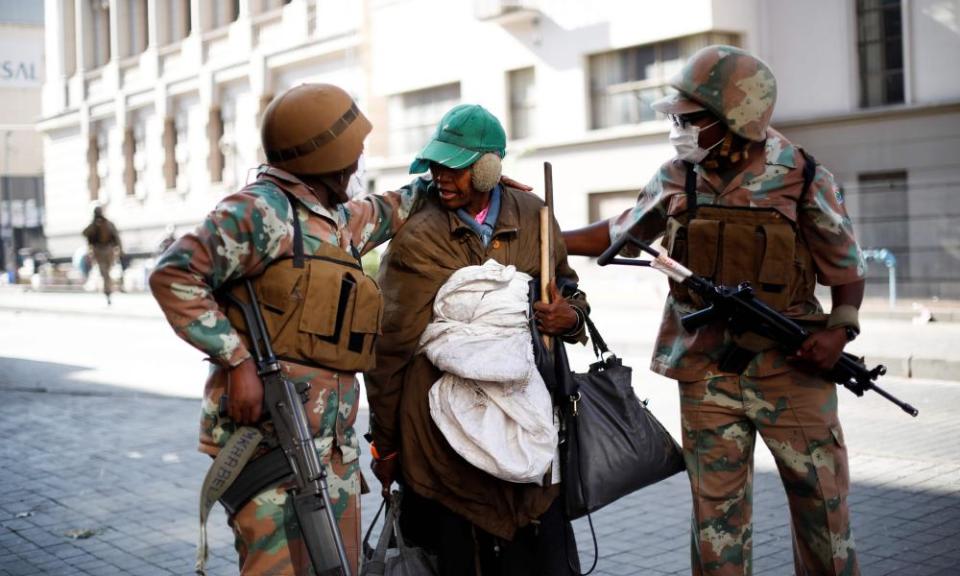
column 935, row 29
column 21, row 80
column 812, row 48
column 65, row 188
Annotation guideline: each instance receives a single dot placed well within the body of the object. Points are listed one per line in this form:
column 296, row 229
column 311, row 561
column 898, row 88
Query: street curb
column 903, row 367
column 923, row 368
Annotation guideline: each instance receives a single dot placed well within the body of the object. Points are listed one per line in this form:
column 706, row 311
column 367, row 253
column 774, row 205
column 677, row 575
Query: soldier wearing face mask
column 741, row 203
column 298, row 231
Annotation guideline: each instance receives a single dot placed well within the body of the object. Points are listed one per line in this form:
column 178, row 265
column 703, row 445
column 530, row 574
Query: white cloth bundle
column 491, row 404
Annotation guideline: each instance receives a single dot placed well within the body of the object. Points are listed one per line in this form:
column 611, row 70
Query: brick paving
column 99, row 479
column 105, row 482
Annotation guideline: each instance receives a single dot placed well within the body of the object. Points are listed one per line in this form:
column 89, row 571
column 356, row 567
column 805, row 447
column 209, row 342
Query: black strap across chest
column 299, row 253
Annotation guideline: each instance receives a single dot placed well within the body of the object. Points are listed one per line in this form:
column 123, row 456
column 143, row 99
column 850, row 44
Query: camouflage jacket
column 101, row 233
column 241, row 237
column 772, row 180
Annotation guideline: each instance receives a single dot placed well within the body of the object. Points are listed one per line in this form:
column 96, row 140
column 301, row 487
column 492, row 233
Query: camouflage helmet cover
column 735, row 85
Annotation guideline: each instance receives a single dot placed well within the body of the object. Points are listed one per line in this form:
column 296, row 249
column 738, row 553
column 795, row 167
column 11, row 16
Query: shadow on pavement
column 18, row 374
column 108, row 484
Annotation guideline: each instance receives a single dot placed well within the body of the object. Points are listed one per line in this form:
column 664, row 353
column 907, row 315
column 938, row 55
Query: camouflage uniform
column 794, row 412
column 104, row 241
column 239, row 239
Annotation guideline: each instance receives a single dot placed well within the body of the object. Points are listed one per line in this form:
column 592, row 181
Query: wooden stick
column 545, row 245
column 546, row 242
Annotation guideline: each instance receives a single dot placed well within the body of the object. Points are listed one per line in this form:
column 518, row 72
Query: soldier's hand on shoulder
column 244, row 393
column 508, row 181
column 821, row 350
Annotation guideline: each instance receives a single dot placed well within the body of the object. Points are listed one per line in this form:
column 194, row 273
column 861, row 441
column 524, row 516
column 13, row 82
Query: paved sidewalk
column 105, row 483
column 98, row 479
column 628, row 318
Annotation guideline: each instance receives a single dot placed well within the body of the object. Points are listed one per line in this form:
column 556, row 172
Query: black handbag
column 610, row 444
column 613, row 445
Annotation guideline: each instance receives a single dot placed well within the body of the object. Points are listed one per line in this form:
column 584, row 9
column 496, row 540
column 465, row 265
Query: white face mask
column 686, row 141
column 357, row 186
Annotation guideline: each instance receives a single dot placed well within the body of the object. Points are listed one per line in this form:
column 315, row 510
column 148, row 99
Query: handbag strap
column 377, row 563
column 599, row 345
column 572, row 421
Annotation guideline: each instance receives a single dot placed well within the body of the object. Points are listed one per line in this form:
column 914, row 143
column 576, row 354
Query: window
column 413, row 116
column 624, row 83
column 880, row 44
column 215, row 153
column 522, row 102
column 181, row 151
column 223, row 12
column 268, row 5
column 99, row 47
column 176, row 21
column 170, row 152
column 136, row 25
column 882, row 209
column 140, row 159
column 129, row 172
column 603, row 205
column 93, row 163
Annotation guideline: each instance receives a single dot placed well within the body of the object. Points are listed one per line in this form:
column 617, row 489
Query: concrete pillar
column 54, row 88
column 84, row 37
column 153, row 24
column 115, row 30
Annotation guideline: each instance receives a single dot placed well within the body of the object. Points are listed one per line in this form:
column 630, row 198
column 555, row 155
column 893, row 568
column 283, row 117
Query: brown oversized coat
column 432, row 245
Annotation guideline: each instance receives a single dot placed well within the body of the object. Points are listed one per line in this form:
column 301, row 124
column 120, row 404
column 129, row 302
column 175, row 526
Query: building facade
column 151, row 107
column 21, row 146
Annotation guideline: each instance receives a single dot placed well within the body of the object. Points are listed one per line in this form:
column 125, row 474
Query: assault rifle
column 743, row 312
column 283, row 401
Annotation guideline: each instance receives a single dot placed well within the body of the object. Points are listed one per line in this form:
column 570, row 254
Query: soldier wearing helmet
column 104, row 242
column 741, row 203
column 298, row 231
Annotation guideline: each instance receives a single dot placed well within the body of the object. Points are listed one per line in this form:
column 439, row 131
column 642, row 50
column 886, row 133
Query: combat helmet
column 313, row 129
column 733, row 84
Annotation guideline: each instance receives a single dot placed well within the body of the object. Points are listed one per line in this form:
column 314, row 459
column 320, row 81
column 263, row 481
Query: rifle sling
column 736, row 359
column 224, row 471
column 259, row 474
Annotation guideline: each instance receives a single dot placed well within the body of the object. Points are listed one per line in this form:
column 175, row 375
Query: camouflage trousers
column 267, row 536
column 104, row 257
column 796, row 416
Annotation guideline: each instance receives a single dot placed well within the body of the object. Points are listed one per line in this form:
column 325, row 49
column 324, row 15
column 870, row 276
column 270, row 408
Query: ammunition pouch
column 320, row 309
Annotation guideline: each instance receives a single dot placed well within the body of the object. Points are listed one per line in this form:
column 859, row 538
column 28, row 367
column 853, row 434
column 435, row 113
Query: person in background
column 104, row 241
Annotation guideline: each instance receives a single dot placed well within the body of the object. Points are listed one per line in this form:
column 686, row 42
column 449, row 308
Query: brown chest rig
column 730, row 245
column 320, row 310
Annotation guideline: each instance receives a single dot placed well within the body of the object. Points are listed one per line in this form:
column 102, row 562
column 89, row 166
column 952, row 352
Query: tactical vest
column 729, row 245
column 320, row 310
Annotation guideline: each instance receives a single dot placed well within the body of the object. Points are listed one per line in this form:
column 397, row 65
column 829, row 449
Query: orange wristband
column 376, row 454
